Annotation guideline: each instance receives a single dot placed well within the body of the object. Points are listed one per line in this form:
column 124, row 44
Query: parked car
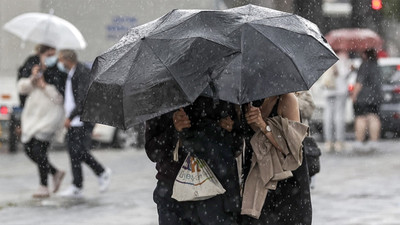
column 133, row 137
column 390, row 109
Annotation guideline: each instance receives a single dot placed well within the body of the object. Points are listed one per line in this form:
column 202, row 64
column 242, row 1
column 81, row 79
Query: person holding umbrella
column 42, row 96
column 216, row 128
column 78, row 135
column 290, row 202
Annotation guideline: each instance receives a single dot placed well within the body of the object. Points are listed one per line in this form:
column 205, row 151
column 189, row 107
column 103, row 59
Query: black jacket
column 205, row 139
column 80, row 86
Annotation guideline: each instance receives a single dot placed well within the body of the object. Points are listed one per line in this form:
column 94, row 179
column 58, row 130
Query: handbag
column 195, row 181
column 312, row 152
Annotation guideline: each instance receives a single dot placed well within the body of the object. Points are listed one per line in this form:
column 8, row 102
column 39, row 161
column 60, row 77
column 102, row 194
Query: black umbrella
column 238, row 55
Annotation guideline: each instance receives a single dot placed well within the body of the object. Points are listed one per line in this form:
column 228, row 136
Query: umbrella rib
column 144, row 41
column 33, row 29
column 250, row 23
column 283, row 53
column 189, row 17
column 287, row 54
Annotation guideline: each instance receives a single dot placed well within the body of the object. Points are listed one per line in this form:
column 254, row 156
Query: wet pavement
column 352, row 189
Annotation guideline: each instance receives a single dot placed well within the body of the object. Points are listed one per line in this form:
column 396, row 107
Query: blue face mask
column 50, row 61
column 61, row 67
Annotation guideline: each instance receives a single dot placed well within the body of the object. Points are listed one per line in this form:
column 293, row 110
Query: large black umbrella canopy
column 148, row 73
column 238, row 55
column 279, row 53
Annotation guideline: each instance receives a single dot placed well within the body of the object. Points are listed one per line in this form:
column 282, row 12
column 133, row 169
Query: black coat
column 80, row 85
column 205, row 139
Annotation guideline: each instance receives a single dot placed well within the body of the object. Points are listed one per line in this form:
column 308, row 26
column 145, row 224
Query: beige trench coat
column 269, row 165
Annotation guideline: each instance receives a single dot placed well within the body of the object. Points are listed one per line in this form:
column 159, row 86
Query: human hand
column 36, row 72
column 181, row 120
column 40, row 83
column 67, row 123
column 254, row 117
column 226, row 123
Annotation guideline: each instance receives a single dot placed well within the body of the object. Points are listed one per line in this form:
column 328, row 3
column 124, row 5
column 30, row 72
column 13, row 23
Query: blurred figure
column 367, row 98
column 311, row 149
column 79, row 133
column 335, row 83
column 43, row 113
column 306, row 105
column 24, row 71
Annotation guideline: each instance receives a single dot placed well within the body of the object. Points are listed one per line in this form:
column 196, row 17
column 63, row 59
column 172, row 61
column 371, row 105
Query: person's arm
column 24, row 86
column 361, row 76
column 255, row 120
column 289, row 107
column 160, row 138
column 356, row 91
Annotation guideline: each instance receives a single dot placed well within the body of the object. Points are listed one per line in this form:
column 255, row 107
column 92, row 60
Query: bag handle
column 175, row 153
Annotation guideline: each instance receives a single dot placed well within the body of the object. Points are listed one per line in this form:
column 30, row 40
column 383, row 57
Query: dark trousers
column 78, row 139
column 37, row 151
column 206, row 212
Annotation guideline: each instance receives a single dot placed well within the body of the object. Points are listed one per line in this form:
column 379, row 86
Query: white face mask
column 50, row 61
column 62, row 68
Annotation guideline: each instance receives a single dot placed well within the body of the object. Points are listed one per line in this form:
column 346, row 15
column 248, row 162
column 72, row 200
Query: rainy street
column 351, row 189
column 211, row 112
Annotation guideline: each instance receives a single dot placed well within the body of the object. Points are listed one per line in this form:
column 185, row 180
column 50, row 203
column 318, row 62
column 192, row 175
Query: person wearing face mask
column 42, row 114
column 78, row 135
column 46, row 59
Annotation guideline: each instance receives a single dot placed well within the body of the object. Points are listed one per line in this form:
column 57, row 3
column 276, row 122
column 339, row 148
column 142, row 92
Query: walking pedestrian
column 79, row 133
column 335, row 83
column 367, row 98
column 287, row 201
column 42, row 115
column 208, row 131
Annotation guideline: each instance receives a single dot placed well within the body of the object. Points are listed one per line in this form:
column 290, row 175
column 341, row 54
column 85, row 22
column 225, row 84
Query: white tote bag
column 195, row 181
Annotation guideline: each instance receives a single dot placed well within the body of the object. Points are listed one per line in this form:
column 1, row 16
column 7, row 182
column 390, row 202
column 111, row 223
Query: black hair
column 371, row 54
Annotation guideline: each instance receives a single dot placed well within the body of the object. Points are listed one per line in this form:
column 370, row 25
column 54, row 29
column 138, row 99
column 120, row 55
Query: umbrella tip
column 51, row 11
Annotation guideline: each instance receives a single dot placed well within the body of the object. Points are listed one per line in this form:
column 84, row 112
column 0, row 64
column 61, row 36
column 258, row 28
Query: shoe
column 358, row 146
column 104, row 180
column 42, row 192
column 72, row 192
column 339, row 146
column 329, row 146
column 57, row 179
column 372, row 146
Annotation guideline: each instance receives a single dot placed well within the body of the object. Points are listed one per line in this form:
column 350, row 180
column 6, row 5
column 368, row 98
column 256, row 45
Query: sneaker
column 339, row 146
column 57, row 179
column 104, row 180
column 72, row 192
column 42, row 192
column 373, row 146
column 358, row 146
column 329, row 147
